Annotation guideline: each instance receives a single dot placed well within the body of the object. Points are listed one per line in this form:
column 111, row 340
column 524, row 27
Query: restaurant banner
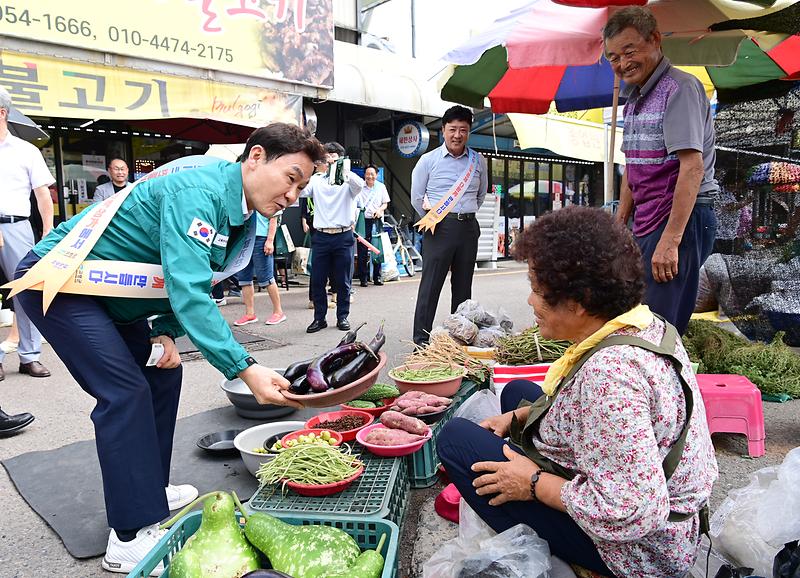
column 42, row 86
column 289, row 40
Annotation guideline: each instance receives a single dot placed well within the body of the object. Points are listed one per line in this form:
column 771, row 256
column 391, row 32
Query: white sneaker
column 221, row 302
column 123, row 557
column 180, row 496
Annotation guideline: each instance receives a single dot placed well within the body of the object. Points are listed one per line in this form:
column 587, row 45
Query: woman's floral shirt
column 613, row 425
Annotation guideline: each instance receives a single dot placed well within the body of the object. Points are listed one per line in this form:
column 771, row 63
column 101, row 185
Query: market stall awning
column 573, row 138
column 42, row 86
column 379, row 79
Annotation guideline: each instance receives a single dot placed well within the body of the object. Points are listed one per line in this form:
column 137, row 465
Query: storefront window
column 85, row 156
column 150, row 153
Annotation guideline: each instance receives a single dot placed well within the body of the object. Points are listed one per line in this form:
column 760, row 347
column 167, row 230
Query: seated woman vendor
column 614, row 463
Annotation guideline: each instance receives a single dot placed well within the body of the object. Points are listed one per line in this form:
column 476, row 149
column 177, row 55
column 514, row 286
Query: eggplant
column 350, row 336
column 297, row 369
column 300, row 386
column 361, row 364
column 322, row 364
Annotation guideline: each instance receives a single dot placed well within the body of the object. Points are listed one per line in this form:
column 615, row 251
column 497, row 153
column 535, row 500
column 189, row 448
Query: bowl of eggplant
column 340, row 374
column 246, row 405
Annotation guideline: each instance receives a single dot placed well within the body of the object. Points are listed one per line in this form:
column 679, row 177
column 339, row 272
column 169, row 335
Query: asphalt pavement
column 29, row 548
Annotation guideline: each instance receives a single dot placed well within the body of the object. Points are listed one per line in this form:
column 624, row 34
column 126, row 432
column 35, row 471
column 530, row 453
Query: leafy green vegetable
column 528, row 348
column 773, row 367
column 379, row 391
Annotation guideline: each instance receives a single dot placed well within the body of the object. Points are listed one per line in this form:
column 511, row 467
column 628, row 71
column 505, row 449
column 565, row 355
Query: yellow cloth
column 712, row 316
column 640, row 317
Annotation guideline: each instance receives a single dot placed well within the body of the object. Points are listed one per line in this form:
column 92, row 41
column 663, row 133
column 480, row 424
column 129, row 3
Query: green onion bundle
column 528, row 348
column 309, row 464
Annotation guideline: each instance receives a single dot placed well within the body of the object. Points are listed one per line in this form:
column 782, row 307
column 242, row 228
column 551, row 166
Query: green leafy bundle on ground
column 528, row 348
column 773, row 367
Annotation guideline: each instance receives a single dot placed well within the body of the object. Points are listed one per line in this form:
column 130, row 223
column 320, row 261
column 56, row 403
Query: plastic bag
column 504, row 321
column 516, row 553
column 753, row 523
column 473, row 311
column 479, row 552
column 479, row 406
column 787, row 562
column 489, row 336
column 461, row 328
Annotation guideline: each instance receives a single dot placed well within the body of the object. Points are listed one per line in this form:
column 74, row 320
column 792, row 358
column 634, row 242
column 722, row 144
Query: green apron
column 377, row 241
column 522, row 436
column 361, row 224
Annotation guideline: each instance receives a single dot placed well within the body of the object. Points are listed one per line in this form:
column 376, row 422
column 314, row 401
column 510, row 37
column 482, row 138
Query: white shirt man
column 22, row 169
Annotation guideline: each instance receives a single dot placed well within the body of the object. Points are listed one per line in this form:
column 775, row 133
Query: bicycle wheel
column 408, row 264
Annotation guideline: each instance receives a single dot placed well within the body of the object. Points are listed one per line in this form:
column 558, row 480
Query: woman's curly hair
column 582, row 254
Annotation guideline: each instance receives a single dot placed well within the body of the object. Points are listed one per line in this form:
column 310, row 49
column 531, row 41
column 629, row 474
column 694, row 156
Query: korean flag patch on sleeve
column 202, row 231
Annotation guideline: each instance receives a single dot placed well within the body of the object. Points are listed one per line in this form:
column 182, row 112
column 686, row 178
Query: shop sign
column 411, row 139
column 288, row 40
column 44, row 86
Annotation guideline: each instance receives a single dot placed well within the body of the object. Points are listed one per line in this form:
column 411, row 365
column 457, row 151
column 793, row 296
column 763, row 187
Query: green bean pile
column 309, row 464
column 528, row 348
column 429, row 373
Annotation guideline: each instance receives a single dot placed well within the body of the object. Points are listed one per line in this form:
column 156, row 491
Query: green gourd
column 302, row 551
column 218, row 548
column 368, row 565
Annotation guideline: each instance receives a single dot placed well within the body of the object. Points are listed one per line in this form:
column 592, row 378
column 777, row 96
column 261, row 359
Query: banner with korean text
column 42, row 86
column 289, row 40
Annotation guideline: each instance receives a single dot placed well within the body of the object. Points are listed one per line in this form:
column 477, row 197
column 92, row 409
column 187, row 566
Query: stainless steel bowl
column 246, row 405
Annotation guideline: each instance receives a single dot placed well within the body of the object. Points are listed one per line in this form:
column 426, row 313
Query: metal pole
column 413, row 29
column 609, row 188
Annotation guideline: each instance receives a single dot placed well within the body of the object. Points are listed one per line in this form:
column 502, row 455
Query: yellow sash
column 448, row 201
column 65, row 268
column 640, row 317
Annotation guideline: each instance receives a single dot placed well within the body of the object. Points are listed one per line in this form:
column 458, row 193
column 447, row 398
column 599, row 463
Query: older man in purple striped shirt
column 669, row 177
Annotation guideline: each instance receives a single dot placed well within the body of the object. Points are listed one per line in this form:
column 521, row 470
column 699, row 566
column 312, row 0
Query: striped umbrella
column 547, row 52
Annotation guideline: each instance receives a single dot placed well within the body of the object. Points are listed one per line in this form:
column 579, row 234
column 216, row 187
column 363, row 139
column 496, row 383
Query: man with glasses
column 668, row 183
column 118, row 171
column 448, row 186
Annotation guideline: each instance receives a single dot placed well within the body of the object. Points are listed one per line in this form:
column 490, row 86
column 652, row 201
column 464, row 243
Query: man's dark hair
column 334, row 147
column 280, row 138
column 637, row 17
column 371, row 166
column 582, row 254
column 457, row 112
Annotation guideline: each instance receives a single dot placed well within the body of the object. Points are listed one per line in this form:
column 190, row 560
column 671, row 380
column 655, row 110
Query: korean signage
column 412, row 139
column 284, row 39
column 44, row 86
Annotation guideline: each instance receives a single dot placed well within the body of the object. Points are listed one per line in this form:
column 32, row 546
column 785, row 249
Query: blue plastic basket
column 366, row 532
column 423, row 465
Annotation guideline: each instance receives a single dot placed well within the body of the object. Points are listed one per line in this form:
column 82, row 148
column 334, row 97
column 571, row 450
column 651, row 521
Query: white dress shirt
column 22, row 169
column 372, row 198
column 334, row 205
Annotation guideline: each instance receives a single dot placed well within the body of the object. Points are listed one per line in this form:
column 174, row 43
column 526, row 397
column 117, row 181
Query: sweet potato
column 390, row 437
column 396, row 420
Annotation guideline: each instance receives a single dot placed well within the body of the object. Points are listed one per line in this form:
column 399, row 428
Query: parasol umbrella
column 546, row 52
column 23, row 127
column 775, row 173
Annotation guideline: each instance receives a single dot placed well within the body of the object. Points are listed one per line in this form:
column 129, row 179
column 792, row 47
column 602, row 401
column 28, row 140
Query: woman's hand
column 171, row 358
column 510, row 480
column 269, row 247
column 267, row 385
column 499, row 425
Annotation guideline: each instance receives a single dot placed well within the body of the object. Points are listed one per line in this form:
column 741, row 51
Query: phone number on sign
column 169, row 44
column 53, row 22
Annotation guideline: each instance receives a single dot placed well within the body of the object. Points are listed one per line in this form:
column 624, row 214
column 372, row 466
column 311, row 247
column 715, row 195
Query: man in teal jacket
column 193, row 223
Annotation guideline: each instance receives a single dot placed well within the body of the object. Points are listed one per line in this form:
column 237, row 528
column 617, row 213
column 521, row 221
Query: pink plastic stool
column 733, row 405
